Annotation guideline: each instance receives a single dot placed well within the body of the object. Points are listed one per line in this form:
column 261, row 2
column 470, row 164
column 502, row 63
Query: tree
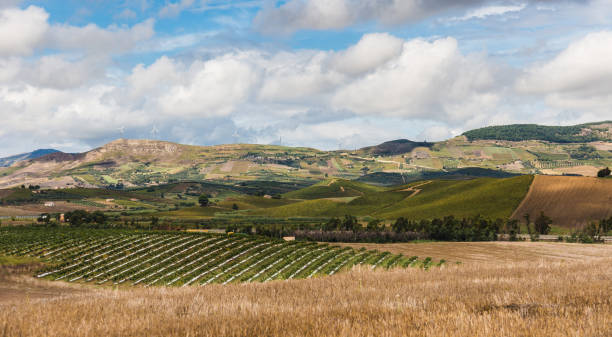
column 350, row 223
column 400, row 225
column 235, row 207
column 542, row 224
column 203, row 200
column 604, row 172
column 374, row 225
column 332, row 225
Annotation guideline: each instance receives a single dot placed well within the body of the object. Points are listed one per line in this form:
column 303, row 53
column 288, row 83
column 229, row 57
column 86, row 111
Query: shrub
column 604, row 172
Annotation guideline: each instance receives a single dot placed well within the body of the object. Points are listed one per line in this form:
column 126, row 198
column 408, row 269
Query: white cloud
column 92, row 38
column 9, row 3
column 427, row 80
column 578, row 78
column 267, row 94
column 295, row 15
column 334, row 14
column 173, row 9
column 22, row 31
column 486, row 11
column 370, row 52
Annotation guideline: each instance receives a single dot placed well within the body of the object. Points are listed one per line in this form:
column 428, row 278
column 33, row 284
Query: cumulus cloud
column 269, row 94
column 22, row 30
column 427, row 80
column 92, row 38
column 370, row 52
column 578, row 78
column 295, row 15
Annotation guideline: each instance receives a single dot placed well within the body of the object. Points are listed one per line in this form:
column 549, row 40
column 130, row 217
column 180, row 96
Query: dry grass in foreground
column 543, row 298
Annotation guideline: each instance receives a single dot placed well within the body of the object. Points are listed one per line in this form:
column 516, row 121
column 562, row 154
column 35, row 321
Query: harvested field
column 587, row 171
column 498, row 252
column 527, row 297
column 570, row 201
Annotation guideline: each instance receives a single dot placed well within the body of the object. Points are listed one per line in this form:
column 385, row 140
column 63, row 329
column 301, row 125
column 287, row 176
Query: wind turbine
column 155, row 131
column 121, row 130
column 236, row 136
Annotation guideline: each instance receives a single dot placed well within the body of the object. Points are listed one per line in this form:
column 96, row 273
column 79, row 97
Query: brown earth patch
column 570, row 201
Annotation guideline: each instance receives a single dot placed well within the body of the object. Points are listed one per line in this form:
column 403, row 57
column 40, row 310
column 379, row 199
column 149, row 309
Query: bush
column 603, row 172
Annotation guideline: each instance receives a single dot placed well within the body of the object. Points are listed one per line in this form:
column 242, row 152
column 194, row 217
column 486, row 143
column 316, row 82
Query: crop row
column 182, row 259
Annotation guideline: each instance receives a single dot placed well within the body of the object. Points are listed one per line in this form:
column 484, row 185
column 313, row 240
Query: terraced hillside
column 570, row 201
column 182, row 259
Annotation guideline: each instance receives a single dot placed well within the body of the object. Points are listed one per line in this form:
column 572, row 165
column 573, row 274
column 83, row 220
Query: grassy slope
column 486, row 196
column 494, row 198
column 334, row 188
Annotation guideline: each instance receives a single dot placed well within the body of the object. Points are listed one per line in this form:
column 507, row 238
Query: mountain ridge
column 133, row 162
column 10, row 160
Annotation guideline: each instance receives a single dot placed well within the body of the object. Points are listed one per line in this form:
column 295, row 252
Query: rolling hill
column 489, row 197
column 487, row 152
column 581, row 133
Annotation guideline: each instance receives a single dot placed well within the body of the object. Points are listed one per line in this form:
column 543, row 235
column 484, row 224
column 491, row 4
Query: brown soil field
column 567, row 296
column 570, row 201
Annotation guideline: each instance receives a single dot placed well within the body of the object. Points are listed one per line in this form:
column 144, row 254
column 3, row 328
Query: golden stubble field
column 565, row 293
column 569, row 201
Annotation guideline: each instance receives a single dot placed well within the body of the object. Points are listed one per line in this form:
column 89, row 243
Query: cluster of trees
column 79, row 218
column 403, row 230
column 584, row 152
column 519, row 132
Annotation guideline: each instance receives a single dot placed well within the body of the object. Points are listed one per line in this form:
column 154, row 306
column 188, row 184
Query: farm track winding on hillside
column 175, row 259
column 569, row 201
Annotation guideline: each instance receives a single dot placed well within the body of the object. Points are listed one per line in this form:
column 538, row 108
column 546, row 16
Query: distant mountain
column 8, row 161
column 582, row 133
column 394, row 147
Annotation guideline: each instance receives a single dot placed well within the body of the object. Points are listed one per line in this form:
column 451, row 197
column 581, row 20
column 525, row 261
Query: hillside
column 570, row 201
column 127, row 163
column 489, row 197
column 8, row 161
column 394, row 147
column 581, row 133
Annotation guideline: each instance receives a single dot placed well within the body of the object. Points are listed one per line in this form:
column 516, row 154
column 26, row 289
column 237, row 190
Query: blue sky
column 321, row 73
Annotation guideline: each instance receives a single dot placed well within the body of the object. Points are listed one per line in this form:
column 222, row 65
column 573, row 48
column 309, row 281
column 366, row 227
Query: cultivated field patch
column 570, row 201
column 182, row 259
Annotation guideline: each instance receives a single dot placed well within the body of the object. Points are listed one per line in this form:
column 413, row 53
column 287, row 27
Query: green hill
column 333, row 188
column 490, row 197
column 581, row 133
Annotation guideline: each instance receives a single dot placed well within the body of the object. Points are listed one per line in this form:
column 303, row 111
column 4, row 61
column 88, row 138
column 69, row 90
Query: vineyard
column 182, row 259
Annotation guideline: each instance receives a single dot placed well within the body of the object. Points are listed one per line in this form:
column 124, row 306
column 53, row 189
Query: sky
column 329, row 74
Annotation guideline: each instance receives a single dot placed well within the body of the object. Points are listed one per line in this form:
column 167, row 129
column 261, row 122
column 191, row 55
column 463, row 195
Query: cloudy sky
column 75, row 74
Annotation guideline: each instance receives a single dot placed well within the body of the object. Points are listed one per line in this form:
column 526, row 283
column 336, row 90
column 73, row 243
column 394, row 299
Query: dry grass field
column 564, row 293
column 569, row 201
